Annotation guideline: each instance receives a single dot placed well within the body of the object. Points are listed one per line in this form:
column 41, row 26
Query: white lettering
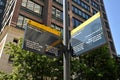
column 94, row 38
column 33, row 45
column 78, row 47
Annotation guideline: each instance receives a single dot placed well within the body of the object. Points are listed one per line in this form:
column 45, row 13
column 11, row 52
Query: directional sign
column 42, row 39
column 88, row 35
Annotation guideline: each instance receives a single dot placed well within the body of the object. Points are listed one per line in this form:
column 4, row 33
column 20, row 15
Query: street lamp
column 66, row 37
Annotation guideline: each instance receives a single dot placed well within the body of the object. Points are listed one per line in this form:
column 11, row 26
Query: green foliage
column 28, row 65
column 95, row 65
column 98, row 65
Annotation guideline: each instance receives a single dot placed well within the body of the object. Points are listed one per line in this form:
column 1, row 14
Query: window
column 68, row 20
column 78, row 1
column 109, row 34
column 56, row 27
column 95, row 4
column 112, row 46
column 87, row 1
column 41, row 0
column 94, row 11
column 24, row 3
column 57, row 13
column 82, row 4
column 38, row 9
column 32, row 6
column 53, row 11
column 102, row 7
column 101, row 1
column 22, row 22
column 76, row 22
column 104, row 16
column 97, row 0
column 2, row 3
column 1, row 11
column 15, row 40
column 80, row 13
column 107, row 25
column 59, row 1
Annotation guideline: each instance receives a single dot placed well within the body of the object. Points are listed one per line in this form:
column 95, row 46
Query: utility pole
column 66, row 37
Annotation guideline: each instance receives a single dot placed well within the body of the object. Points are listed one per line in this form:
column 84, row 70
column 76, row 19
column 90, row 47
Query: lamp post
column 66, row 37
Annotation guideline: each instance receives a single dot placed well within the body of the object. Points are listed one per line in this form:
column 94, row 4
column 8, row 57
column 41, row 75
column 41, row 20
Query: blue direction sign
column 88, row 35
column 42, row 40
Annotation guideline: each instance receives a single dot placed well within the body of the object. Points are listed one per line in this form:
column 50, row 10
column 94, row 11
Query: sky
column 113, row 14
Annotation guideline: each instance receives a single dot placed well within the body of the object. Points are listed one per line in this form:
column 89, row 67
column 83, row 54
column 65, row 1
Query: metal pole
column 66, row 54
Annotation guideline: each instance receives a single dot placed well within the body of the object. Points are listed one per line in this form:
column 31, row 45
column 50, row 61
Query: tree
column 98, row 65
column 94, row 65
column 28, row 65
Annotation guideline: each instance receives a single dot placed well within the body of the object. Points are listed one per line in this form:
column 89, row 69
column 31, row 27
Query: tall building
column 50, row 13
column 2, row 7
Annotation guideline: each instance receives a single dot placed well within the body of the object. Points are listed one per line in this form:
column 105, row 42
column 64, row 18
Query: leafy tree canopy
column 95, row 65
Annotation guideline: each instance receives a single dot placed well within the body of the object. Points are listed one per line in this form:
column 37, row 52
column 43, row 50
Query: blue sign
column 87, row 36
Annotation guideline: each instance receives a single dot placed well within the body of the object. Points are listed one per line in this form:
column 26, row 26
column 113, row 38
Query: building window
column 22, row 22
column 109, row 35
column 104, row 16
column 24, row 3
column 97, row 0
column 85, row 6
column 38, row 9
column 94, row 11
column 102, row 7
column 42, row 0
column 15, row 40
column 2, row 3
column 112, row 46
column 59, row 1
column 87, row 1
column 56, row 27
column 106, row 25
column 32, row 6
column 80, row 13
column 68, row 20
column 75, row 22
column 56, row 13
column 82, row 4
column 101, row 1
column 95, row 4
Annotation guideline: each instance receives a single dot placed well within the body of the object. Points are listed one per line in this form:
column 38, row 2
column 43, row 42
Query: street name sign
column 42, row 39
column 88, row 35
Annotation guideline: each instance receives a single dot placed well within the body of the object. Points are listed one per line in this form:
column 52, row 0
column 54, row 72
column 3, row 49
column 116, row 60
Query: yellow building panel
column 43, row 27
column 85, row 23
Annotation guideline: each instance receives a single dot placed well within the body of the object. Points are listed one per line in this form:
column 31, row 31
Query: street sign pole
column 66, row 37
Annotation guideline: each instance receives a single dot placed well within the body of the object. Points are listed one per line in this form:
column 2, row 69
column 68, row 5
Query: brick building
column 50, row 13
